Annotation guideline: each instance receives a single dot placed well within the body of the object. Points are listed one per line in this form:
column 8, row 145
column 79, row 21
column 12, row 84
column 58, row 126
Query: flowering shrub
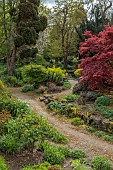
column 56, row 74
column 98, row 64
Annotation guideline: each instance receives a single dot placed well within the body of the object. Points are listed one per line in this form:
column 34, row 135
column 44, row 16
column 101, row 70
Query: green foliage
column 76, row 165
column 64, row 150
column 71, row 97
column 43, row 166
column 62, row 108
column 102, row 101
column 12, row 80
column 28, row 34
column 25, row 53
column 52, row 154
column 107, row 113
column 99, row 133
column 15, row 107
column 77, row 121
column 27, row 88
column 77, row 154
column 56, row 74
column 67, row 84
column 35, row 74
column 91, row 129
column 22, row 132
column 18, row 40
column 3, row 165
column 77, row 72
column 40, row 60
column 108, row 138
column 101, row 163
column 10, row 144
column 2, row 87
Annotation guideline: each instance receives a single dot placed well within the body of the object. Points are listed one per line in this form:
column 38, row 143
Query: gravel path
column 78, row 137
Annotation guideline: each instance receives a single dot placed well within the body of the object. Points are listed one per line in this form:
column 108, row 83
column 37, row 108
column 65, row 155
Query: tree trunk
column 112, row 19
column 65, row 61
column 11, row 61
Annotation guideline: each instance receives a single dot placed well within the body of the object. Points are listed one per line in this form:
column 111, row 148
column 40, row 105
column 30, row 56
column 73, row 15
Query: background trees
column 66, row 15
column 98, row 14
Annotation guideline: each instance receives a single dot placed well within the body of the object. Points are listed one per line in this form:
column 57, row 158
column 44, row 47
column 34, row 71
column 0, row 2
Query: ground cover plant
column 101, row 134
column 3, row 165
column 102, row 102
column 101, row 163
column 62, row 108
column 43, row 166
column 20, row 127
column 71, row 97
column 58, row 154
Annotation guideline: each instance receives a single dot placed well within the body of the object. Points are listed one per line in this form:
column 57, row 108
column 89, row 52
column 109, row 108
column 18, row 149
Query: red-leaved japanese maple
column 98, row 62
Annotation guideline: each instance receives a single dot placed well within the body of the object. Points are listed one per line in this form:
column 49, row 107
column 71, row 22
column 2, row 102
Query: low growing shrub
column 77, row 165
column 91, row 129
column 35, row 74
column 108, row 138
column 56, row 74
column 24, row 131
column 3, row 165
column 101, row 163
column 102, row 101
column 62, row 108
column 14, row 106
column 10, row 144
column 77, row 154
column 27, row 88
column 99, row 133
column 52, row 154
column 77, row 121
column 43, row 166
column 2, row 87
column 71, row 97
column 67, row 84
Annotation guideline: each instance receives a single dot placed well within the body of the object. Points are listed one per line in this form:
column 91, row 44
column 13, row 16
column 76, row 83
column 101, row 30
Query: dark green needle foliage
column 28, row 25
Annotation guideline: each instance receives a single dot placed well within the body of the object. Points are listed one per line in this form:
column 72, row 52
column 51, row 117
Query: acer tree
column 98, row 62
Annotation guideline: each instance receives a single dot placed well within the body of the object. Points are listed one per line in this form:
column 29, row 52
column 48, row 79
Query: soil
column 78, row 137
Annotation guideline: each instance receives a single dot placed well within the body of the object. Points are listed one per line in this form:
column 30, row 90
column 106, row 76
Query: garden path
column 78, row 136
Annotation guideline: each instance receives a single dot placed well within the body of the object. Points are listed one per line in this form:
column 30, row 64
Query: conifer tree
column 28, row 24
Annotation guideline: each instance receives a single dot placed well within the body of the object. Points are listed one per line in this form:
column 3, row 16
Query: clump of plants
column 71, row 97
column 43, row 166
column 52, row 154
column 62, row 108
column 56, row 74
column 77, row 154
column 102, row 101
column 77, row 121
column 24, row 131
column 27, row 88
column 3, row 165
column 101, row 163
column 2, row 87
column 35, row 74
column 77, row 165
column 14, row 106
column 67, row 84
column 58, row 154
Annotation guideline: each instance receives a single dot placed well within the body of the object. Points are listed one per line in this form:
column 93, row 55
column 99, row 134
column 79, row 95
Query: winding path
column 78, row 137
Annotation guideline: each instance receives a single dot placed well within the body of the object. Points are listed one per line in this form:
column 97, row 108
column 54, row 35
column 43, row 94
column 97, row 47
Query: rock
column 91, row 95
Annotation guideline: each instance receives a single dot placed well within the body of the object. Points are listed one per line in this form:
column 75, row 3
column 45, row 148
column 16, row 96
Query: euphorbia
column 98, row 62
